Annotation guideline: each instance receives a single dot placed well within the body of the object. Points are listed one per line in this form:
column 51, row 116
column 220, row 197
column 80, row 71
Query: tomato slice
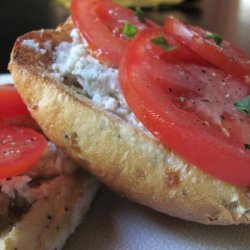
column 13, row 110
column 11, row 103
column 101, row 22
column 226, row 56
column 20, row 149
column 188, row 105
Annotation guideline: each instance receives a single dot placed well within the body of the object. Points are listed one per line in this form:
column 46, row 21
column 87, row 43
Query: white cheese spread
column 31, row 43
column 99, row 81
column 17, row 185
column 52, row 163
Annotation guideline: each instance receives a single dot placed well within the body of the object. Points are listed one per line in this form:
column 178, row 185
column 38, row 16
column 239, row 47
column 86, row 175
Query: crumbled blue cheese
column 99, row 81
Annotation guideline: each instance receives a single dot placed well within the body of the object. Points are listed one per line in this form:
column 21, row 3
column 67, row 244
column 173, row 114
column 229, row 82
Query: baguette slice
column 124, row 158
column 44, row 205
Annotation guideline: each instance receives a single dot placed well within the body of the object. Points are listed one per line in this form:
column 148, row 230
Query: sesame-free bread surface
column 124, row 158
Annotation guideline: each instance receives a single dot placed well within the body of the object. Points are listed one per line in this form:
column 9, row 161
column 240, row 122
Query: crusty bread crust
column 125, row 159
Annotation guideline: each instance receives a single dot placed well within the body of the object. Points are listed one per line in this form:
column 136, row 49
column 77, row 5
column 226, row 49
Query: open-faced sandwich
column 159, row 114
column 43, row 194
column 130, row 3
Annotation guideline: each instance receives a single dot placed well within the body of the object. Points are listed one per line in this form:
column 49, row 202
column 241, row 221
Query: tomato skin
column 20, row 149
column 13, row 111
column 226, row 56
column 101, row 23
column 146, row 80
column 11, row 103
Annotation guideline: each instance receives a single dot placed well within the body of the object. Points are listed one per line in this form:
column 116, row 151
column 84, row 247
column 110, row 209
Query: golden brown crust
column 123, row 158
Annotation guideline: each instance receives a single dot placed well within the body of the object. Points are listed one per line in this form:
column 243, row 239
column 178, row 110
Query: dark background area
column 20, row 16
column 229, row 18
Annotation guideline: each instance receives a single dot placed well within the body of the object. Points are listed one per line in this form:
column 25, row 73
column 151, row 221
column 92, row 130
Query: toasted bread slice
column 42, row 207
column 125, row 158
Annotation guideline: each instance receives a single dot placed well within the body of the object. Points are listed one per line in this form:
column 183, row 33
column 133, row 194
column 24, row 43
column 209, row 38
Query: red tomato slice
column 226, row 56
column 11, row 103
column 188, row 106
column 20, row 149
column 101, row 22
column 12, row 109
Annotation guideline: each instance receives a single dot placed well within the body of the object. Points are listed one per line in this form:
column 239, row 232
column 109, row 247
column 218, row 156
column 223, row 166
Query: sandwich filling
column 99, row 81
column 201, row 101
column 18, row 193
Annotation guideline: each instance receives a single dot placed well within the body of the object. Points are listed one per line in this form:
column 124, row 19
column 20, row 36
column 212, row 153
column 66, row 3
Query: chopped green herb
column 247, row 146
column 217, row 38
column 129, row 30
column 140, row 14
column 243, row 105
column 161, row 42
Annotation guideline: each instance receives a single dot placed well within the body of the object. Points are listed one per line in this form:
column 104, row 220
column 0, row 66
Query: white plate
column 5, row 78
column 114, row 223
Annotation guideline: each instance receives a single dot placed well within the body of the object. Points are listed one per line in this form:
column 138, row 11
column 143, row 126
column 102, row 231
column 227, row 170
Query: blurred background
column 229, row 18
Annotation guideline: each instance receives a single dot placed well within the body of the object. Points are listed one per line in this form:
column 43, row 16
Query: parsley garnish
column 161, row 42
column 140, row 14
column 243, row 105
column 129, row 30
column 247, row 146
column 217, row 38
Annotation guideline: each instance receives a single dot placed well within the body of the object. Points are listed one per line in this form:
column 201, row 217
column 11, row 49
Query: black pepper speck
column 49, row 217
